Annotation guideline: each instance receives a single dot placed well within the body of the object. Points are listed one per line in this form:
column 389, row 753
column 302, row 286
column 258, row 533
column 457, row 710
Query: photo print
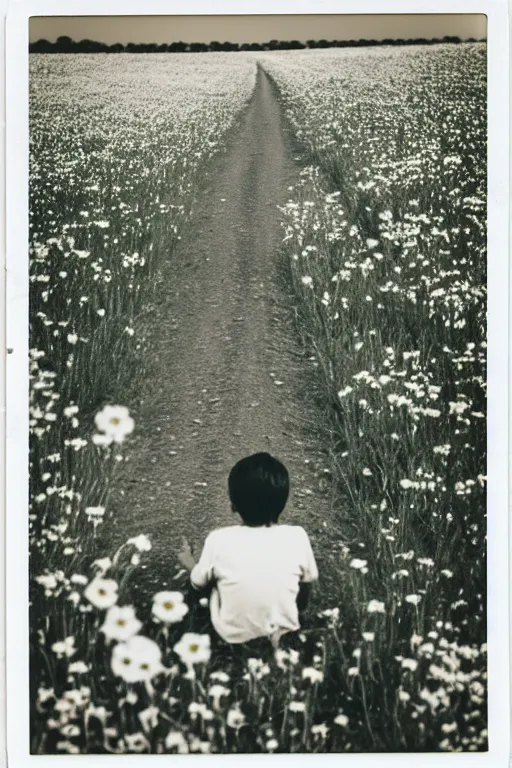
column 258, row 347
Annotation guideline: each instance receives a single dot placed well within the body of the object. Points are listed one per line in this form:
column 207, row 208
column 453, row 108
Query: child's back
column 257, row 571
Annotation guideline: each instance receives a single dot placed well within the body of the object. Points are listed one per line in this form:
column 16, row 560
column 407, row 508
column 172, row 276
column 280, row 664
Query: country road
column 228, row 377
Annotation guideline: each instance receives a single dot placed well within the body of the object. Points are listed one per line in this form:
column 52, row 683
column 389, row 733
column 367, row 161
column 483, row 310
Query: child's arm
column 201, row 571
column 185, row 556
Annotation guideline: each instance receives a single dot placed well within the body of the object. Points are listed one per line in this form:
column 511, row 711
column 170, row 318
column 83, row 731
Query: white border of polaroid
column 18, row 742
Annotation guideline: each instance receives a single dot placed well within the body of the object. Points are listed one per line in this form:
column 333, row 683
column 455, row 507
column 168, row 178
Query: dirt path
column 227, row 368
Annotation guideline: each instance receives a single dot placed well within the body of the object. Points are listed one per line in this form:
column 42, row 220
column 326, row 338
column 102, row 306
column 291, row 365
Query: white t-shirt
column 257, row 573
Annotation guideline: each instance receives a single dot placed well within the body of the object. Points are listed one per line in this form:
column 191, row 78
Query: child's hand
column 185, row 556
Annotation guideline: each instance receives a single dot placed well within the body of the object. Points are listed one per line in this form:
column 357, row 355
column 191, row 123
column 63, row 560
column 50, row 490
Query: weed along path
column 227, row 377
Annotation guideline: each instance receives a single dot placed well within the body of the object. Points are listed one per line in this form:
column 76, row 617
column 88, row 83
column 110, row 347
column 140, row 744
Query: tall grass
column 386, row 241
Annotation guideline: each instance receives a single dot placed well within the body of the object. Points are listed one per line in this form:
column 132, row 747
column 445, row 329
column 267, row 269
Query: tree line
column 65, row 44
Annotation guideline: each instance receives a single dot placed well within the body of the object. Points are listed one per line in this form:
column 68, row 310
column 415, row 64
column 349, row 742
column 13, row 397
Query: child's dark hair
column 258, row 489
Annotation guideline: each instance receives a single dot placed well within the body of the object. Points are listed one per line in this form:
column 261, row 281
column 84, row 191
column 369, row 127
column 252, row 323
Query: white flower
column 404, row 696
column 306, row 280
column 176, row 740
column 47, row 580
column 139, row 659
column 64, row 647
column 427, row 648
column 357, row 564
column 78, row 578
column 372, row 243
column 344, row 392
column 320, row 730
column 72, row 338
column 272, row 745
column 447, row 573
column 449, row 727
column 375, row 606
column 120, row 623
column 149, row 718
column 78, row 668
column 341, row 720
column 405, row 483
column 115, row 422
column 222, row 677
column 458, row 407
column 297, row 706
column 413, row 599
column 235, row 718
column 195, row 708
column 141, row 542
column 283, row 658
column 216, row 692
column 95, row 515
column 136, row 742
column 193, row 648
column 169, row 607
column 254, row 665
column 409, row 664
column 369, row 636
column 312, row 674
column 102, row 593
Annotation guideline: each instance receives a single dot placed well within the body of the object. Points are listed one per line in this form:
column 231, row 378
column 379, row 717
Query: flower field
column 385, row 251
column 386, row 239
column 117, row 149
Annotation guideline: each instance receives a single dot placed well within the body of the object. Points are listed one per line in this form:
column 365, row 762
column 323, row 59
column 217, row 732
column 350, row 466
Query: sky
column 255, row 29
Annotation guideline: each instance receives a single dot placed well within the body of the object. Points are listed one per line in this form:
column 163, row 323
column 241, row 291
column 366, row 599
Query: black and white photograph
column 257, row 513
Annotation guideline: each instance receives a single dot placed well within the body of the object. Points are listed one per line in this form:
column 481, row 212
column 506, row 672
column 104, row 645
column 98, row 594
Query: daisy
column 102, row 593
column 115, row 422
column 235, row 718
column 341, row 720
column 137, row 660
column 136, row 742
column 176, row 740
column 120, row 623
column 312, row 674
column 193, row 648
column 64, row 647
column 375, row 606
column 169, row 607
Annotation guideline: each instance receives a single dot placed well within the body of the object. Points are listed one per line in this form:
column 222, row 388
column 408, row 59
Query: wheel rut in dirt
column 226, row 364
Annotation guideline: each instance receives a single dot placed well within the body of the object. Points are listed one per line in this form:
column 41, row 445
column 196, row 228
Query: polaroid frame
column 14, row 336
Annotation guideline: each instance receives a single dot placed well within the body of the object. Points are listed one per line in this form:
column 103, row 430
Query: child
column 261, row 571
